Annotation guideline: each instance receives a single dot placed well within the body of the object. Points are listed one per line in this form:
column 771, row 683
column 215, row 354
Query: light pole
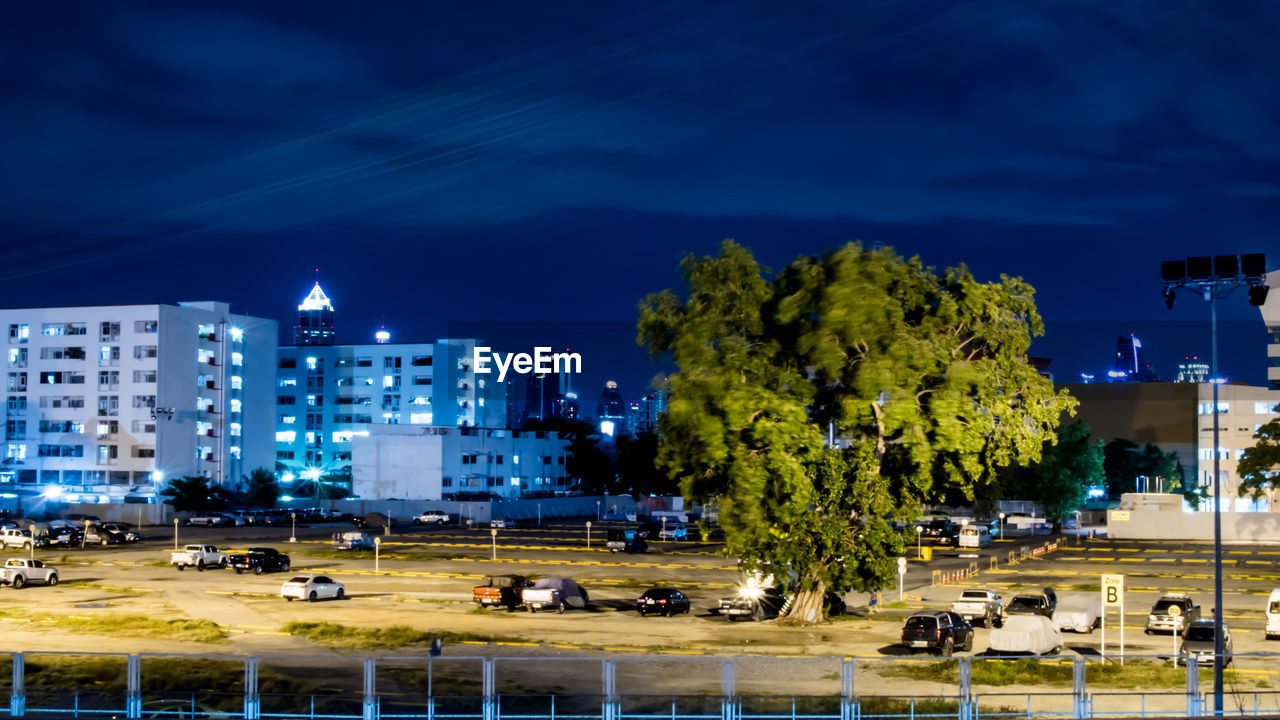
column 293, row 531
column 588, row 534
column 539, row 514
column 493, row 535
column 377, row 545
column 919, row 550
column 597, row 511
column 1002, row 526
column 32, row 547
column 175, row 533
column 1212, row 278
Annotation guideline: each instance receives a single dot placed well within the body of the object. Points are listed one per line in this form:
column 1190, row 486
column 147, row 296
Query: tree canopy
column 920, row 377
column 261, row 488
column 1125, row 461
column 1259, row 465
column 1070, row 463
column 194, row 493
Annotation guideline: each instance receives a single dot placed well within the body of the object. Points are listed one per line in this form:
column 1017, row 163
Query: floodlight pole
column 1217, row 510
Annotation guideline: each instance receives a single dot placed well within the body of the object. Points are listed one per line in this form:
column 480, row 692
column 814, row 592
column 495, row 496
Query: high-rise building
column 315, row 319
column 1192, row 370
column 1271, row 317
column 327, row 395
column 611, row 411
column 107, row 403
column 430, row 463
column 1130, row 364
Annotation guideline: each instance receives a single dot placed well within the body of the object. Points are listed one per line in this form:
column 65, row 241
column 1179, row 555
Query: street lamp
column 1002, row 526
column 175, row 533
column 377, row 544
column 293, row 531
column 1213, row 278
column 588, row 534
column 493, row 534
column 539, row 514
column 919, row 533
column 32, row 546
column 597, row 510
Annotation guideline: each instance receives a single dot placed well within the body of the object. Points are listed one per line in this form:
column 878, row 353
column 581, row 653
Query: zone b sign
column 1113, row 591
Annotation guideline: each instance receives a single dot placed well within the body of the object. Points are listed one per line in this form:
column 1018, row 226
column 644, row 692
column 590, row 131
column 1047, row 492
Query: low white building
column 107, row 403
column 406, row 462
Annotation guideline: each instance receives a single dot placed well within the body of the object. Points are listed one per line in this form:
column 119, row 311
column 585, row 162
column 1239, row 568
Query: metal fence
column 637, row 687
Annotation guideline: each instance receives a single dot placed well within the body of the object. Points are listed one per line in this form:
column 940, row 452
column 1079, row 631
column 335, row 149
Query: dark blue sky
column 537, row 162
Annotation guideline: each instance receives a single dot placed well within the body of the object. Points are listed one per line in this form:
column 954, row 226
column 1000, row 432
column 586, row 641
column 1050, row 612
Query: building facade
column 1271, row 318
column 328, row 395
column 403, row 462
column 315, row 319
column 107, row 403
column 1178, row 417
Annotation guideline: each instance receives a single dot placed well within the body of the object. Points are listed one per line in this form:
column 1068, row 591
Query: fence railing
column 628, row 687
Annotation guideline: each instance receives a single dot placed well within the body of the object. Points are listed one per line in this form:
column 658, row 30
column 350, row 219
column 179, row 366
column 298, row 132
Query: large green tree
column 920, row 377
column 261, row 488
column 1070, row 463
column 584, row 459
column 1259, row 467
column 638, row 471
column 194, row 493
column 1125, row 461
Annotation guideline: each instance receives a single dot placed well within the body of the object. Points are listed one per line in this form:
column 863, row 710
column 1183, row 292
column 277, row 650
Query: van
column 975, row 536
column 1273, row 615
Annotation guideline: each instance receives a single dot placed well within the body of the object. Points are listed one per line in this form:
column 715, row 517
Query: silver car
column 313, row 588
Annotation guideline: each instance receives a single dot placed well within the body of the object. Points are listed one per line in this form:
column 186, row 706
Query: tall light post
column 1213, row 278
column 32, row 545
column 293, row 530
column 588, row 534
column 493, row 535
column 175, row 533
column 597, row 511
column 1002, row 526
column 377, row 545
column 919, row 546
column 539, row 514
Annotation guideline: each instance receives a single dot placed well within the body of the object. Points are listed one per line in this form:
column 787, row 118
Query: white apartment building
column 327, row 395
column 404, row 462
column 107, row 403
column 1271, row 317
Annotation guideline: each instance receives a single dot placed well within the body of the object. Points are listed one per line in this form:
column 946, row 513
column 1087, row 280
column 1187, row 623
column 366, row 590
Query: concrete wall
column 564, row 507
column 1149, row 523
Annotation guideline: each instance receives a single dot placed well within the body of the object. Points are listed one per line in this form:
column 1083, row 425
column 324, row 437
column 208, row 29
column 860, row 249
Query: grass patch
column 157, row 563
column 1087, row 587
column 333, row 554
column 1032, row 671
column 181, row 629
column 394, row 636
column 114, row 589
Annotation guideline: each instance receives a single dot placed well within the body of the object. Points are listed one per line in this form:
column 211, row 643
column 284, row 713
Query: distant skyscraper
column 1130, row 365
column 1192, row 370
column 315, row 319
column 611, row 411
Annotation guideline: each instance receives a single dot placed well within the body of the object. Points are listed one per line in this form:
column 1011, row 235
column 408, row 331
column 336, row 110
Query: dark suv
column 941, row 532
column 938, row 631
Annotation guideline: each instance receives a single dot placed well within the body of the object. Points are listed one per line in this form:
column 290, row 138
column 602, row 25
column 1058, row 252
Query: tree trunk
column 806, row 605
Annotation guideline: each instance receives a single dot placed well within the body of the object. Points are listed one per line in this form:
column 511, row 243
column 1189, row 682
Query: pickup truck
column 19, row 573
column 198, row 557
column 259, row 560
column 15, row 537
column 1033, row 604
column 432, row 517
column 500, row 590
column 1173, row 612
column 984, row 605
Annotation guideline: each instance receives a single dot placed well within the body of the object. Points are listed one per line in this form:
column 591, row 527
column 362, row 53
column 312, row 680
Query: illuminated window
column 288, row 419
column 285, row 436
column 311, row 438
column 311, row 363
column 420, row 418
column 234, row 429
column 234, row 450
column 288, row 382
column 387, row 380
column 235, row 405
column 237, row 382
column 237, row 335
column 237, row 358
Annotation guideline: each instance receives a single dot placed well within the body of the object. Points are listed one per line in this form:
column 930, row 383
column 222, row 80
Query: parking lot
column 422, row 578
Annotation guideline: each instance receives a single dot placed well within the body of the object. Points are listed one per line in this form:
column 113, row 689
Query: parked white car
column 432, row 517
column 16, row 537
column 20, row 572
column 1273, row 615
column 313, row 588
column 1035, row 634
column 208, row 520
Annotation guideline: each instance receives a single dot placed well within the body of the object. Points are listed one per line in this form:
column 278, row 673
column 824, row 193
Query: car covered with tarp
column 554, row 593
column 1079, row 612
column 1031, row 634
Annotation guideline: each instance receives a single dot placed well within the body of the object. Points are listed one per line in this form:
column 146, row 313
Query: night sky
column 456, row 165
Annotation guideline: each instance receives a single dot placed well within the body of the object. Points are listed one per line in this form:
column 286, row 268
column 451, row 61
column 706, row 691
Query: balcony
column 213, row 361
column 211, row 384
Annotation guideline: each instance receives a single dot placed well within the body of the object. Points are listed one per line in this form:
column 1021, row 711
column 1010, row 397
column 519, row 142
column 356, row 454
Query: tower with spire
column 315, row 319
